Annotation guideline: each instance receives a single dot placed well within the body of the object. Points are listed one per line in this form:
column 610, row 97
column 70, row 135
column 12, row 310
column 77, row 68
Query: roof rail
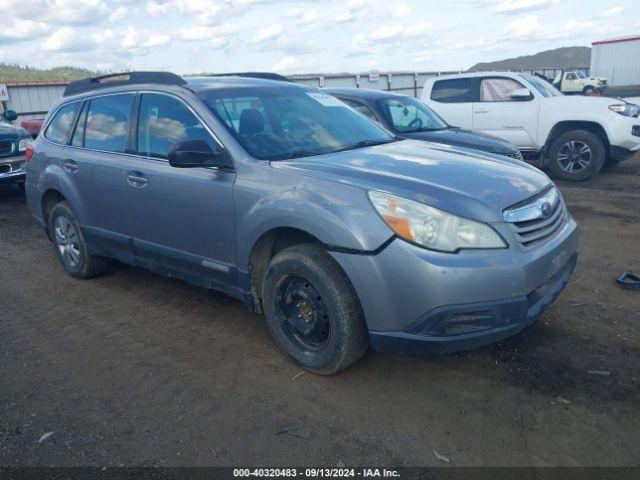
column 124, row 78
column 263, row 75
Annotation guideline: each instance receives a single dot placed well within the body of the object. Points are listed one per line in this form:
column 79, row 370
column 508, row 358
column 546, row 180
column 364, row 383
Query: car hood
column 9, row 131
column 465, row 138
column 459, row 181
column 584, row 103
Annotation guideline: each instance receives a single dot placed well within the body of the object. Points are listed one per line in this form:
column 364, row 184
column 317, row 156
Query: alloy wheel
column 67, row 242
column 574, row 156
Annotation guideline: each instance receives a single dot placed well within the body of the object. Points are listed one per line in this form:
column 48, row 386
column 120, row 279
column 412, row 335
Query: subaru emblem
column 545, row 209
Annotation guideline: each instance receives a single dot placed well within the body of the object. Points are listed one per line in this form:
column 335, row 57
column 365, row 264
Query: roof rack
column 263, row 75
column 124, row 78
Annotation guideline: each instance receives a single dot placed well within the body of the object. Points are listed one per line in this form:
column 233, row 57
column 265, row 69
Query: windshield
column 581, row 74
column 543, row 87
column 409, row 115
column 275, row 123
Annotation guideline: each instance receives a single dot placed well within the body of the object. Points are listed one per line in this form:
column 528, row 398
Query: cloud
column 524, row 27
column 393, row 31
column 401, row 10
column 118, row 14
column 355, row 10
column 21, row 29
column 514, row 7
column 611, row 12
column 271, row 32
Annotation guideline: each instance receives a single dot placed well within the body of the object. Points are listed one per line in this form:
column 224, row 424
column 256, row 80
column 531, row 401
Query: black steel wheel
column 312, row 310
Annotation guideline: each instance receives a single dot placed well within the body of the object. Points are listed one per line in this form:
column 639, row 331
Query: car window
column 571, row 76
column 289, row 122
column 107, row 123
column 542, row 86
column 60, row 126
column 78, row 135
column 360, row 107
column 455, row 90
column 498, row 89
column 164, row 121
column 407, row 115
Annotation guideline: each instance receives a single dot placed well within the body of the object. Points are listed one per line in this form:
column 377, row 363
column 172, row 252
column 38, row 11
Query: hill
column 559, row 58
column 18, row 73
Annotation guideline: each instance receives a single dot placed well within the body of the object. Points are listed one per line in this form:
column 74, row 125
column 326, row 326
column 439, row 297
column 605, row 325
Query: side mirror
column 10, row 115
column 196, row 153
column 521, row 94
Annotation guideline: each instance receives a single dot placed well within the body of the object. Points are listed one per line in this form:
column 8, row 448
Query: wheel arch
column 265, row 248
column 565, row 126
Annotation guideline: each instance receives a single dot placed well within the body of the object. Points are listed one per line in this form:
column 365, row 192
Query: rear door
column 497, row 113
column 93, row 166
column 181, row 218
column 453, row 100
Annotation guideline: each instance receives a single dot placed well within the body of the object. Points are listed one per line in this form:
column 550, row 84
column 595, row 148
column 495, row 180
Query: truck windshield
column 276, row 123
column 409, row 115
column 543, row 87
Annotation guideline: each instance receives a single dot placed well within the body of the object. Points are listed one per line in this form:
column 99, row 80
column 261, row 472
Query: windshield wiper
column 363, row 144
column 296, row 154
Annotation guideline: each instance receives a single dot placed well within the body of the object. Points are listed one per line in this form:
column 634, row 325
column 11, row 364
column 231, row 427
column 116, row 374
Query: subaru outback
column 280, row 195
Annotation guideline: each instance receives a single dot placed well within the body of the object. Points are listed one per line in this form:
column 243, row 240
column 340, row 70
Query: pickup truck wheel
column 71, row 246
column 312, row 310
column 588, row 90
column 576, row 155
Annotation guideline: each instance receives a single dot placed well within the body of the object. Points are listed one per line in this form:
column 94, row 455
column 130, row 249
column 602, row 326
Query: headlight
column 626, row 109
column 24, row 143
column 433, row 228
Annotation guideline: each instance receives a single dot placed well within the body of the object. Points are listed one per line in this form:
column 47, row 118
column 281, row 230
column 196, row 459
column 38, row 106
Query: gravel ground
column 135, row 369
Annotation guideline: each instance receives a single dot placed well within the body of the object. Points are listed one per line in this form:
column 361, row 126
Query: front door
column 181, row 218
column 500, row 115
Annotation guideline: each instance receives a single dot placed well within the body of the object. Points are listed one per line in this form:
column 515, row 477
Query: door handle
column 70, row 166
column 137, row 179
column 481, row 111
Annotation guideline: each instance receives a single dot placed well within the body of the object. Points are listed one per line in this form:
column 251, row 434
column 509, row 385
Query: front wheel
column 312, row 310
column 71, row 246
column 588, row 90
column 576, row 155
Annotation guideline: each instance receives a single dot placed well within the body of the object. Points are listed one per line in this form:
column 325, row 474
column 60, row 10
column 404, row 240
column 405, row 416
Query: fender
column 339, row 216
column 54, row 178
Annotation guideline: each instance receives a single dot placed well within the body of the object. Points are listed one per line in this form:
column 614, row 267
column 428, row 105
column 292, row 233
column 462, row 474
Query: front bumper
column 455, row 328
column 420, row 301
column 12, row 169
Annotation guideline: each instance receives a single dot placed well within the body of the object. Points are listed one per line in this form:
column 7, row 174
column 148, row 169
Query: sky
column 294, row 36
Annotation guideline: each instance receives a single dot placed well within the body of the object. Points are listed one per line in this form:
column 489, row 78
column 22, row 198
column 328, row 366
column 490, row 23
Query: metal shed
column 617, row 59
column 32, row 99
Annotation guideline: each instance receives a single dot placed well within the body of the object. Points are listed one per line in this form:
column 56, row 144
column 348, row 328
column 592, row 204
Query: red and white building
column 617, row 59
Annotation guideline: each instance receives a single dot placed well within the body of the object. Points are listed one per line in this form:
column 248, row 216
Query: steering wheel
column 415, row 123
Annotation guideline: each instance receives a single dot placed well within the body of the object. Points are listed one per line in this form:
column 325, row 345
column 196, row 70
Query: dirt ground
column 136, row 369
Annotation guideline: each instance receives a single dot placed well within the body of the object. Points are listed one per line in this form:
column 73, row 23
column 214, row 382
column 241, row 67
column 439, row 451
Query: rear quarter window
column 455, row 90
column 60, row 126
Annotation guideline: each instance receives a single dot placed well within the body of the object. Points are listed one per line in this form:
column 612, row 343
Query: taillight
column 28, row 153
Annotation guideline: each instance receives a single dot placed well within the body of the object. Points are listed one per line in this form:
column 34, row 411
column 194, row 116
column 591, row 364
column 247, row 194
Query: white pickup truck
column 572, row 136
column 578, row 82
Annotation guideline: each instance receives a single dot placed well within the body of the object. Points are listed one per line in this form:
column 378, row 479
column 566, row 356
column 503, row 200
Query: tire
column 312, row 311
column 565, row 150
column 588, row 90
column 70, row 245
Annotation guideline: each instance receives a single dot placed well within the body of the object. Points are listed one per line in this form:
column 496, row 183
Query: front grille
column 516, row 155
column 531, row 232
column 6, row 146
column 635, row 130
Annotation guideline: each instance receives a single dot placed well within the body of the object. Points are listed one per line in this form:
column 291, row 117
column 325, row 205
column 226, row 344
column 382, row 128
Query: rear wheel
column 312, row 310
column 70, row 244
column 576, row 155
